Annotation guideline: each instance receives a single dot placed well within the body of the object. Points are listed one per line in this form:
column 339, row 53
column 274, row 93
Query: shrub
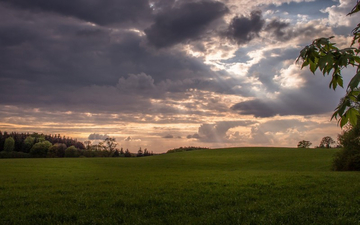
column 14, row 154
column 354, row 162
column 89, row 153
column 349, row 157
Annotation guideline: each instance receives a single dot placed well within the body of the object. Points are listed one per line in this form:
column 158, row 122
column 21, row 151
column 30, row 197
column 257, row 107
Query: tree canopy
column 326, row 142
column 304, row 144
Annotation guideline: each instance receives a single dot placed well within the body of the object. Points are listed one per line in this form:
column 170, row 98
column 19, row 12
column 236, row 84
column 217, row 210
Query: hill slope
column 222, row 186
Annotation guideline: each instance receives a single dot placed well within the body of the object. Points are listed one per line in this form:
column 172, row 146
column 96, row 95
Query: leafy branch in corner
column 323, row 55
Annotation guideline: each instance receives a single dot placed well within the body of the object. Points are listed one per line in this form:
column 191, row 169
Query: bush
column 347, row 160
column 89, row 153
column 14, row 154
column 354, row 163
column 349, row 157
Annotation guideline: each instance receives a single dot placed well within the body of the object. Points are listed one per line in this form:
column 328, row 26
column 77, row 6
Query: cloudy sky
column 161, row 74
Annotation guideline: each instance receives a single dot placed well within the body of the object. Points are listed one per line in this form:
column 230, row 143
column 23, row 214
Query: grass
column 222, row 186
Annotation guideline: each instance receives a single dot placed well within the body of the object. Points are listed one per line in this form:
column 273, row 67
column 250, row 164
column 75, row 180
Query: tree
column 322, row 54
column 57, row 150
column 146, row 152
column 87, row 144
column 40, row 149
column 28, row 143
column 116, row 153
column 140, row 153
column 71, row 151
column 127, row 153
column 122, row 151
column 326, row 142
column 110, row 144
column 304, row 144
column 9, row 144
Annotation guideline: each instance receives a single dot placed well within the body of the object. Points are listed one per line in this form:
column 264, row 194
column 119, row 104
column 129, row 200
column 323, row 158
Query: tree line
column 185, row 149
column 24, row 145
column 326, row 142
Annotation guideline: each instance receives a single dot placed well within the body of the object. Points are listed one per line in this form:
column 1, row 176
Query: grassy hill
column 220, row 186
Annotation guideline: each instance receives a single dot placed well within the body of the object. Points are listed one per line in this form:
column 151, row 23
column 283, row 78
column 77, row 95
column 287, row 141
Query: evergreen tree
column 116, row 153
column 127, row 153
column 140, row 153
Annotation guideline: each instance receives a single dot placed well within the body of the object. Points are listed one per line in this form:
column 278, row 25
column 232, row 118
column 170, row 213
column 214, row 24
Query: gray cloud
column 193, row 136
column 218, row 132
column 292, row 130
column 95, row 136
column 276, row 27
column 136, row 83
column 284, row 31
column 57, row 63
column 294, row 101
column 243, row 29
column 128, row 139
column 131, row 139
column 183, row 22
column 168, row 136
column 101, row 12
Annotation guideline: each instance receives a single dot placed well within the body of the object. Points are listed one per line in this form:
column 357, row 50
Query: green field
column 222, row 186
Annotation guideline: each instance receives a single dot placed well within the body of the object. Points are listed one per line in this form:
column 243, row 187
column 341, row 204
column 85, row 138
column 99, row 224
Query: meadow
column 213, row 186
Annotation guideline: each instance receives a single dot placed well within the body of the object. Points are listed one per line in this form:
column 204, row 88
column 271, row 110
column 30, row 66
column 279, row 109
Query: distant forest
column 25, row 145
column 21, row 146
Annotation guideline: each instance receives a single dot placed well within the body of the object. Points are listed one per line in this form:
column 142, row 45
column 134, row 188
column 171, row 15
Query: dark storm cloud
column 243, row 29
column 283, row 31
column 161, row 5
column 58, row 63
column 276, row 27
column 101, row 12
column 185, row 22
column 12, row 36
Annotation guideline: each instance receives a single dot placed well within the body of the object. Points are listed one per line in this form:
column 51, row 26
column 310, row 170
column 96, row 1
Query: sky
column 160, row 74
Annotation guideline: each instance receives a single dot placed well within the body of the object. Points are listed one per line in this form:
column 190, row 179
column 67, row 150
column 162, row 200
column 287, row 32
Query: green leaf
column 357, row 59
column 352, row 114
column 343, row 121
column 305, row 63
column 313, row 67
column 322, row 62
column 354, row 81
column 340, row 81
